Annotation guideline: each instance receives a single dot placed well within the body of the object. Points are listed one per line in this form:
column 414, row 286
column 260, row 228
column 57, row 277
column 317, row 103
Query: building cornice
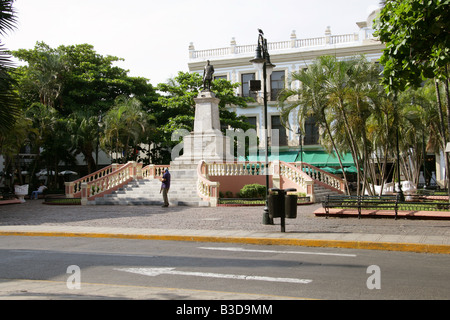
column 370, row 46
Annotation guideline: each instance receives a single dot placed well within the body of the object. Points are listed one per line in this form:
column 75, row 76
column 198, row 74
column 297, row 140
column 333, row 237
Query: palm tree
column 311, row 99
column 124, row 127
column 9, row 109
column 48, row 78
column 84, row 129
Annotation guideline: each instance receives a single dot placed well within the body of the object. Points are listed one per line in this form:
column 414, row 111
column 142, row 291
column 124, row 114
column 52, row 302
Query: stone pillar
column 206, row 142
column 328, row 35
column 293, row 39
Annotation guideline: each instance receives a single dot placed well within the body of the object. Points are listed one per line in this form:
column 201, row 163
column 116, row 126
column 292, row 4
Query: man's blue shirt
column 166, row 182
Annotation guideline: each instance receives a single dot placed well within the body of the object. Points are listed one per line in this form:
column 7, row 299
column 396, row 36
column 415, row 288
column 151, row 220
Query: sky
column 154, row 36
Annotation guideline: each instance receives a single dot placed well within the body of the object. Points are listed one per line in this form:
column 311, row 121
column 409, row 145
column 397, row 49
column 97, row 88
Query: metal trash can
column 282, row 205
column 290, row 206
column 276, row 204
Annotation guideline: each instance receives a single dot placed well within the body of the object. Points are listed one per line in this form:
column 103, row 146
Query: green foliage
column 355, row 114
column 76, row 78
column 9, row 108
column 175, row 109
column 417, row 38
column 8, row 18
column 125, row 127
column 253, row 191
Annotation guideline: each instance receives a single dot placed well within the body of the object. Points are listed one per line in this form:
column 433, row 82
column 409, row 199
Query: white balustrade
column 206, row 189
column 153, row 171
column 235, row 168
column 322, row 176
column 73, row 188
column 110, row 182
column 275, row 46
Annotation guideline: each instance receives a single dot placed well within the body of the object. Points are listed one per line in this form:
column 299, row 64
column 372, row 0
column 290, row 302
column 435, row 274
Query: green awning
column 316, row 158
column 330, row 170
column 323, row 159
column 286, row 156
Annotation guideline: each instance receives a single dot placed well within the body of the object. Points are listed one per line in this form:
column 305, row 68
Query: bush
column 253, row 191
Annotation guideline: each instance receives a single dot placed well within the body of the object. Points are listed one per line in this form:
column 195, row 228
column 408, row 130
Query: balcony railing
column 233, row 49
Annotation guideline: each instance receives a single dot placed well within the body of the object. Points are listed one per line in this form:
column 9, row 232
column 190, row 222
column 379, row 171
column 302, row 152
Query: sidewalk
column 225, row 225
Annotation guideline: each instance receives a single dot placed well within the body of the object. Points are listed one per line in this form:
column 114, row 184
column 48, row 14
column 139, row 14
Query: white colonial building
column 233, row 63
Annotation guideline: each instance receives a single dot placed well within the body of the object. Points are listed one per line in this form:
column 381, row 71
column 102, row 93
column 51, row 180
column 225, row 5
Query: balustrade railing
column 110, row 182
column 206, row 189
column 325, row 178
column 276, row 46
column 153, row 171
column 209, row 190
column 294, row 174
column 73, row 188
column 236, row 169
column 115, row 176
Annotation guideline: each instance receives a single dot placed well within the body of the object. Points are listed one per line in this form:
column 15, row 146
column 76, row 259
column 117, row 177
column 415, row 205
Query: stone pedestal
column 206, row 142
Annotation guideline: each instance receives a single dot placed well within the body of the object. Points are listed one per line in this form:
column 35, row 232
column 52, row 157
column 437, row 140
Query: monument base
column 206, row 142
column 210, row 146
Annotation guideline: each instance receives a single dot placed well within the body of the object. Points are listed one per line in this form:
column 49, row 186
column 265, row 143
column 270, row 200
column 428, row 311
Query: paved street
column 41, row 268
column 34, row 213
column 411, row 254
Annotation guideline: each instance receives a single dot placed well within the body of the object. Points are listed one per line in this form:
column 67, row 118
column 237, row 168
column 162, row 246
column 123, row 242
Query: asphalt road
column 43, row 268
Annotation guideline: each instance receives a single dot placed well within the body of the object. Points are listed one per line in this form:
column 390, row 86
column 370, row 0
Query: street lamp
column 99, row 121
column 447, row 151
column 262, row 61
column 300, row 142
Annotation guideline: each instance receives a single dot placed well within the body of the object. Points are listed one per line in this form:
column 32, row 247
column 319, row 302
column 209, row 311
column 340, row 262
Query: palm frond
column 8, row 18
column 9, row 107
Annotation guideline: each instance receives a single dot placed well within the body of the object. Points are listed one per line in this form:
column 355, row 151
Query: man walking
column 165, row 186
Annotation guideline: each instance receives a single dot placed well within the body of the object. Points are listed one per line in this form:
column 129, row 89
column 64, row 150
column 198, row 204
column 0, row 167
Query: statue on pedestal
column 207, row 76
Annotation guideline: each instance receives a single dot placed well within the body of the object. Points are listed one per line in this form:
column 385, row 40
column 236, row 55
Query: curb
column 364, row 245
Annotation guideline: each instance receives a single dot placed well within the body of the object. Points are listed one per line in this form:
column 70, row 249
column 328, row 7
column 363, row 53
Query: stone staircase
column 183, row 192
column 320, row 193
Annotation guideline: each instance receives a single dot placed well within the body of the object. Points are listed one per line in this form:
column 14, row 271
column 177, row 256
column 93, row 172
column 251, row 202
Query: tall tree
column 124, row 128
column 349, row 105
column 417, row 38
column 77, row 78
column 310, row 99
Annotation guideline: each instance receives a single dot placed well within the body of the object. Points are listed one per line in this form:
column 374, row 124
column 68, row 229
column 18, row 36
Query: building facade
column 233, row 63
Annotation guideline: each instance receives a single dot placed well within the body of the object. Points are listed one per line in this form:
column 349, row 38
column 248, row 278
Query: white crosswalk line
column 277, row 251
column 153, row 272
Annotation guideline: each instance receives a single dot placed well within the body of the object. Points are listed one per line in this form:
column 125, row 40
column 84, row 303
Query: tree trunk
column 443, row 132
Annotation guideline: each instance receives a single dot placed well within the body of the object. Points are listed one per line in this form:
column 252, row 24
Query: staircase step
column 183, row 192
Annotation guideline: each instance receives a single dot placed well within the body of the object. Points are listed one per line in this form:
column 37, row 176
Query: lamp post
column 447, row 151
column 98, row 138
column 300, row 142
column 262, row 61
column 400, row 193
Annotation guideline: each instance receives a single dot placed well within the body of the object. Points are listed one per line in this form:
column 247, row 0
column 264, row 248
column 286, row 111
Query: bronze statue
column 208, row 76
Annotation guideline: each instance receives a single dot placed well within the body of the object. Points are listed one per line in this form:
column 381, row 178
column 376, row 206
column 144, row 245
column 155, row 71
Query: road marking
column 276, row 251
column 38, row 251
column 153, row 272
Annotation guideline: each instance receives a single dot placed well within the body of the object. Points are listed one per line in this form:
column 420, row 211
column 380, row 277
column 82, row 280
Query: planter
column 21, row 192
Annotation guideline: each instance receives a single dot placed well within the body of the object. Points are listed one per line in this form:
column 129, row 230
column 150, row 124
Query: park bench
column 424, row 203
column 361, row 202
